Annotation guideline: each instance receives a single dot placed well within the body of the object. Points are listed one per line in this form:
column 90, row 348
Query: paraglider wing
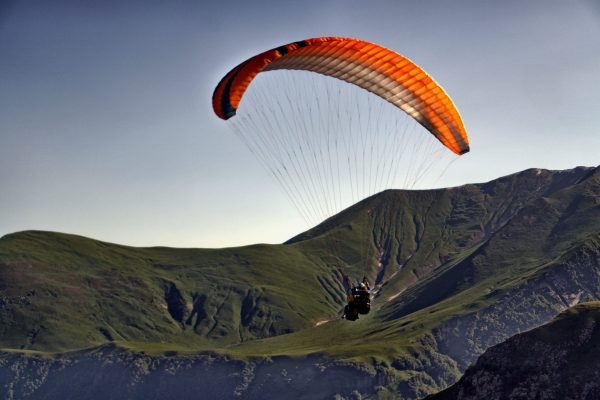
column 381, row 71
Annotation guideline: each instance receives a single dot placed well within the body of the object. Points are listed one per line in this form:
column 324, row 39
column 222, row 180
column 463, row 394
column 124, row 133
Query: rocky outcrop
column 112, row 373
column 559, row 360
column 564, row 283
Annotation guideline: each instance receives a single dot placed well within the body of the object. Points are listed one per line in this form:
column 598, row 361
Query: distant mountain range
column 455, row 271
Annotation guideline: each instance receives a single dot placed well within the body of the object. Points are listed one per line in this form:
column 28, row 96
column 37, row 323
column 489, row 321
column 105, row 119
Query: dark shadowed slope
column 559, row 360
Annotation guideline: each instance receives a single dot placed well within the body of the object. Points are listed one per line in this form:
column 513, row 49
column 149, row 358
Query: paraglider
column 331, row 142
column 358, row 300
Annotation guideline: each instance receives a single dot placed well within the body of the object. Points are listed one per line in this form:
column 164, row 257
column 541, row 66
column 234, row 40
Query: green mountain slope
column 456, row 271
column 62, row 292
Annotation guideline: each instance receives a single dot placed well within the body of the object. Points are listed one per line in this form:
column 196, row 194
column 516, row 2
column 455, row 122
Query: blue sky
column 106, row 126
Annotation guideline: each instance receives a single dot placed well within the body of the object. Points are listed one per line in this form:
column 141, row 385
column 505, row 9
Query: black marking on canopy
column 282, row 50
column 459, row 139
column 226, row 108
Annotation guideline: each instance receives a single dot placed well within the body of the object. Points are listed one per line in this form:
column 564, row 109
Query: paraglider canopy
column 327, row 142
column 381, row 71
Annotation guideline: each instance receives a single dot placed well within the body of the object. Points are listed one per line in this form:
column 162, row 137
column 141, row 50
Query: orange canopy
column 383, row 72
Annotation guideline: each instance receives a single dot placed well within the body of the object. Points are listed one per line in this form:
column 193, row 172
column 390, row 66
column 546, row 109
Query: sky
column 107, row 128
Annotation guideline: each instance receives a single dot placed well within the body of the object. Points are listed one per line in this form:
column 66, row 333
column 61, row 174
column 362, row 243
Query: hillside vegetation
column 456, row 271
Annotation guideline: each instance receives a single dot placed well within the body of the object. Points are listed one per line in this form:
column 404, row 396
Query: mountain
column 455, row 270
column 558, row 360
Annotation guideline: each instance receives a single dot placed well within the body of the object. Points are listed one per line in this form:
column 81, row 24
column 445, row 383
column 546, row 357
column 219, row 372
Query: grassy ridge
column 63, row 292
column 433, row 255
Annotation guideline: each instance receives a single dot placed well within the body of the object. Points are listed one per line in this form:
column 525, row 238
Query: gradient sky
column 107, row 130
